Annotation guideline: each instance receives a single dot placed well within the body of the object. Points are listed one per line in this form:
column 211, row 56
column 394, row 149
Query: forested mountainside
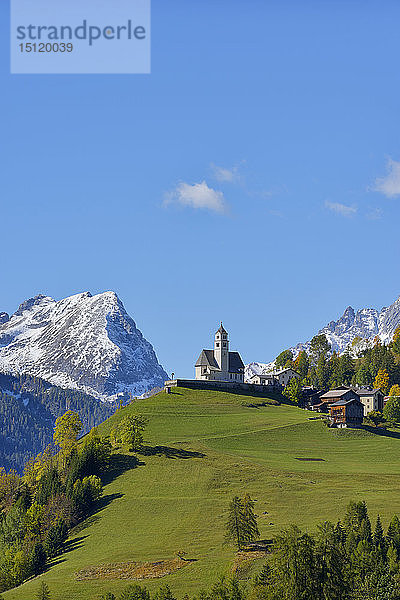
column 28, row 409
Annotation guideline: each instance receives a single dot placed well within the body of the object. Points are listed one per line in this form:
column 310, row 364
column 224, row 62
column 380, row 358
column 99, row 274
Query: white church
column 220, row 364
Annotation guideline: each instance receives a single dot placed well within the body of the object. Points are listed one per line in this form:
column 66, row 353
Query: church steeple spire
column 221, row 348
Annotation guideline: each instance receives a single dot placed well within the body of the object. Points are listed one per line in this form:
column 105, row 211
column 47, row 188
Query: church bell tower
column 221, row 348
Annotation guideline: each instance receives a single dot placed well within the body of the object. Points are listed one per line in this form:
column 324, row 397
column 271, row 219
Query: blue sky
column 253, row 177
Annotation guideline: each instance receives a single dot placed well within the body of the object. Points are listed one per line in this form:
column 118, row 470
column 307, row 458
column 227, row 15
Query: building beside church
column 283, row 376
column 219, row 364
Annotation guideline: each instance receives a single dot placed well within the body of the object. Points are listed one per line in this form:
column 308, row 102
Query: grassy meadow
column 202, row 448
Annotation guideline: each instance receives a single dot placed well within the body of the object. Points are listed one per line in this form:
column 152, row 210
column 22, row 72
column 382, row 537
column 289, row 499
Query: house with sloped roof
column 346, row 413
column 264, row 379
column 340, row 394
column 283, row 376
column 371, row 399
column 220, row 364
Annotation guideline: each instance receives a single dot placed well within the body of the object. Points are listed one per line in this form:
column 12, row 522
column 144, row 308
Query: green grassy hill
column 203, row 448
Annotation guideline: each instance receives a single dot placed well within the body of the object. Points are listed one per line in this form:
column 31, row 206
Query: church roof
column 221, row 329
column 235, row 362
column 207, row 359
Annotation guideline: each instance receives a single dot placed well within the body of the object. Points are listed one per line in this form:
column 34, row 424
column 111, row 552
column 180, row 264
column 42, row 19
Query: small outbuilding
column 346, row 413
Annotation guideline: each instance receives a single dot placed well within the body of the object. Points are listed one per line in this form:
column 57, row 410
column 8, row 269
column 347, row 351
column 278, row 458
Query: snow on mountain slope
column 82, row 342
column 340, row 334
column 366, row 324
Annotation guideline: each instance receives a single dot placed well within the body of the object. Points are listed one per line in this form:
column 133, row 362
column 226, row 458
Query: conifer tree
column 164, row 593
column 330, row 559
column 135, row 592
column 43, row 592
column 379, row 538
column 241, row 526
column 392, row 560
column 264, row 576
column 235, row 526
column 234, row 590
column 340, row 533
column 393, row 533
column 356, row 512
column 365, row 532
column 251, row 531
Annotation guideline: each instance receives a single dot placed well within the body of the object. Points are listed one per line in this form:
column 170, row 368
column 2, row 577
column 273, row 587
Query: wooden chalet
column 341, row 394
column 346, row 413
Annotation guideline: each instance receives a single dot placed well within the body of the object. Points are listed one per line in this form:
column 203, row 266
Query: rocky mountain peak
column 82, row 342
column 30, row 303
column 4, row 317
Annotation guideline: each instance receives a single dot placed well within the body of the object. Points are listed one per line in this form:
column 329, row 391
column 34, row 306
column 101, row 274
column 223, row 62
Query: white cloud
column 225, row 175
column 341, row 209
column 197, row 195
column 389, row 185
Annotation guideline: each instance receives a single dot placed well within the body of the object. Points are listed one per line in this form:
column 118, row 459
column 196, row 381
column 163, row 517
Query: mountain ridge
column 353, row 331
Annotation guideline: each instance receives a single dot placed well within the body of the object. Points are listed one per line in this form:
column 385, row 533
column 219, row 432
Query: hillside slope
column 82, row 342
column 201, row 449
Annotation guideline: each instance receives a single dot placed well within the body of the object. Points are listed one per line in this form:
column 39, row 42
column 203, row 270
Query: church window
column 217, row 344
column 224, row 344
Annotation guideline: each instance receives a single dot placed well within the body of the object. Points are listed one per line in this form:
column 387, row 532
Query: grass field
column 203, row 448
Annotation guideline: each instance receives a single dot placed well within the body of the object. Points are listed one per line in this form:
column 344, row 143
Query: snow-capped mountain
column 354, row 330
column 361, row 326
column 83, row 342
